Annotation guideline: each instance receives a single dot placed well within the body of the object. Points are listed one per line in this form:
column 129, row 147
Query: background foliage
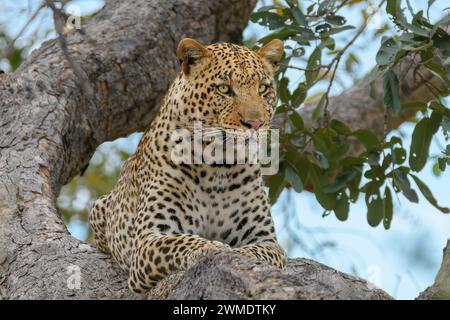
column 317, row 153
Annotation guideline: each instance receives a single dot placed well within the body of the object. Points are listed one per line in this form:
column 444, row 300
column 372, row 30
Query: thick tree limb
column 441, row 287
column 231, row 276
column 49, row 130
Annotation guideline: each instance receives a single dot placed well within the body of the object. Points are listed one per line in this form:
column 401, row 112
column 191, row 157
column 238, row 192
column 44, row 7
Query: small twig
column 60, row 18
column 410, row 9
column 303, row 69
column 337, row 60
column 433, row 89
column 327, row 94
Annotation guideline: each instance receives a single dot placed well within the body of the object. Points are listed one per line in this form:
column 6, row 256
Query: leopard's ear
column 190, row 53
column 272, row 52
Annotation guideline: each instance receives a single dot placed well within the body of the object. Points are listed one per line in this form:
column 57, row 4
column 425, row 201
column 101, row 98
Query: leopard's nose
column 252, row 124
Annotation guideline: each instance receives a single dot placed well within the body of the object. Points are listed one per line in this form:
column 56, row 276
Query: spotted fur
column 161, row 216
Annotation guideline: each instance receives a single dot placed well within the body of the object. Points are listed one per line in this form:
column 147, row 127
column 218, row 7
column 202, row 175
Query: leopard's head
column 227, row 86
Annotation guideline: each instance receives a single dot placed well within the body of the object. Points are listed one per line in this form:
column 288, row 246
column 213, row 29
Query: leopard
column 162, row 216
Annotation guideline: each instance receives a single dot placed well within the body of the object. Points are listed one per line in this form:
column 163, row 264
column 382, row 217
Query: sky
column 402, row 260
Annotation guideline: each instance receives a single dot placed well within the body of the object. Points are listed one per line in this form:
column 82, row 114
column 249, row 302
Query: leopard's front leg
column 258, row 237
column 157, row 255
column 266, row 251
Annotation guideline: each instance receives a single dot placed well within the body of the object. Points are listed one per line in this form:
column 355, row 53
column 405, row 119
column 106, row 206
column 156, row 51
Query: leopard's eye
column 263, row 88
column 224, row 89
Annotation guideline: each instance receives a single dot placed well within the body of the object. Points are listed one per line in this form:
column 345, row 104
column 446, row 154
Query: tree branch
column 441, row 287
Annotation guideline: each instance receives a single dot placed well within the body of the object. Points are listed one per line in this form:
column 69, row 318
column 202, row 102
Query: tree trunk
column 50, row 126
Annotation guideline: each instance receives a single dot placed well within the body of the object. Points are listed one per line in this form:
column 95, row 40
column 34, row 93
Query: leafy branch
column 317, row 155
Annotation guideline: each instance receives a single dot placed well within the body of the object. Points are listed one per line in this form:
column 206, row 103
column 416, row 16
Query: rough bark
column 231, row 276
column 440, row 290
column 49, row 130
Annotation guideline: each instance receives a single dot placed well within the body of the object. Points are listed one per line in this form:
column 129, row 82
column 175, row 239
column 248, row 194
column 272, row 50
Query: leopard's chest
column 225, row 200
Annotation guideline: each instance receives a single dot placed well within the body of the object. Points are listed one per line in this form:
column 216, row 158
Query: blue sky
column 403, row 260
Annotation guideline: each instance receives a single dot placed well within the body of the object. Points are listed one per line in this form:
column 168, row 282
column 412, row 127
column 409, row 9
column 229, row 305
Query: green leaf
column 367, row 138
column 327, row 201
column 445, row 125
column 353, row 186
column 436, row 171
column 283, row 91
column 281, row 34
column 300, row 163
column 375, row 173
column 388, row 51
column 340, row 29
column 299, row 95
column 276, row 185
column 372, row 187
column 402, row 182
column 391, row 96
column 394, row 141
column 421, row 139
column 428, row 195
column 340, row 182
column 324, row 7
column 281, row 109
column 387, row 161
column 302, row 35
column 293, row 178
column 266, row 8
column 340, row 127
column 342, row 208
column 323, row 161
column 15, row 58
column 322, row 28
column 441, row 39
column 299, row 16
column 398, row 155
column 268, row 19
column 440, row 108
column 375, row 209
column 320, row 143
column 312, row 66
column 328, row 43
column 297, row 121
column 373, row 158
column 319, row 108
column 442, row 164
column 388, row 208
column 393, row 7
column 336, row 20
